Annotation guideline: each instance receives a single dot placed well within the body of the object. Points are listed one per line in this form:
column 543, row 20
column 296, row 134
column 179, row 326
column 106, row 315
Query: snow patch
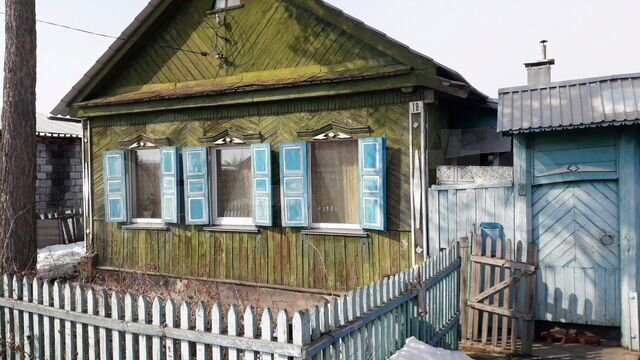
column 415, row 349
column 59, row 260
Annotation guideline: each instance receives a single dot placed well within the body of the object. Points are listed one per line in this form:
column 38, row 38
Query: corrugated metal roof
column 50, row 128
column 602, row 101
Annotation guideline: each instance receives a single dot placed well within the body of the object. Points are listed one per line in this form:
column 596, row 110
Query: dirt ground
column 609, row 350
column 209, row 292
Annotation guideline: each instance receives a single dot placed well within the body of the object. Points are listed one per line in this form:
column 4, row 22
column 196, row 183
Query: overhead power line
column 72, row 28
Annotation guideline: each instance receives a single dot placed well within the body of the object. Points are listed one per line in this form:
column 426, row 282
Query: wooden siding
column 458, row 211
column 276, row 256
column 579, row 278
column 259, row 36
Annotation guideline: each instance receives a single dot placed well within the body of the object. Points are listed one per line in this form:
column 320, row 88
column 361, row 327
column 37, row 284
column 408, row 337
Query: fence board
column 459, row 211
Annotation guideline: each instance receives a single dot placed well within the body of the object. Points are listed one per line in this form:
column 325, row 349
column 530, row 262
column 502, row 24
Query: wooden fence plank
column 185, row 324
column 266, row 329
column 27, row 332
column 104, row 335
column 249, row 330
column 38, row 326
column 17, row 318
column 92, row 334
column 144, row 345
column 170, row 321
column 233, row 329
column 486, row 273
column 202, row 352
column 157, row 319
column 116, row 336
column 301, row 329
column 495, row 299
column 216, row 328
column 283, row 330
column 129, row 315
column 506, row 301
column 58, row 333
column 81, row 338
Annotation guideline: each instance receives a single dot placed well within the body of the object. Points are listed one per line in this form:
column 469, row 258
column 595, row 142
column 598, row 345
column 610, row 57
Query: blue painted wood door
column 576, row 227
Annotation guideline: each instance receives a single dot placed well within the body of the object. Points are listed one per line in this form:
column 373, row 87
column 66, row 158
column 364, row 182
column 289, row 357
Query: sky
column 487, row 41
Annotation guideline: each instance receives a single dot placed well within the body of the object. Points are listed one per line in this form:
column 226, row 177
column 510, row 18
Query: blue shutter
column 262, row 194
column 373, row 183
column 115, row 187
column 196, row 185
column 170, row 182
column 294, row 185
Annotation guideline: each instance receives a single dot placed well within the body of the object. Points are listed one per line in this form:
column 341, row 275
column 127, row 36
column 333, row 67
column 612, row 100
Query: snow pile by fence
column 60, row 260
column 415, row 349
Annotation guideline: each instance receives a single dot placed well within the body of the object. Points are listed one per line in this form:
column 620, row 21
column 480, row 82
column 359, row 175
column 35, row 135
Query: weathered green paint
column 246, row 40
column 275, row 256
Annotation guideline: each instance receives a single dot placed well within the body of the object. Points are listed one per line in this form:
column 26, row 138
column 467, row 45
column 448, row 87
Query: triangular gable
column 261, row 36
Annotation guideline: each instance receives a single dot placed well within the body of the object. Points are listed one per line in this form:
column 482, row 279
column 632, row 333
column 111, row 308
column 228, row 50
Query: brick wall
column 58, row 175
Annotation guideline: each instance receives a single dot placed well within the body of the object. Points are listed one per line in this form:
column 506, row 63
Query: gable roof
column 601, row 101
column 445, row 79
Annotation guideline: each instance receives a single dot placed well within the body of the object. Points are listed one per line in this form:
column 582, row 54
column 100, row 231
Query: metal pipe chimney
column 539, row 72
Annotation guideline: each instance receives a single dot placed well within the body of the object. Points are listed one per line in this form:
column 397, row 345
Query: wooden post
column 530, row 291
column 464, row 282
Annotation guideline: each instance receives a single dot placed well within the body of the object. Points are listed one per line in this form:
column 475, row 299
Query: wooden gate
column 497, row 306
column 577, row 228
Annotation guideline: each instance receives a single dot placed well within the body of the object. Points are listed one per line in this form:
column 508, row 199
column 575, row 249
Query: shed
column 576, row 169
column 276, row 143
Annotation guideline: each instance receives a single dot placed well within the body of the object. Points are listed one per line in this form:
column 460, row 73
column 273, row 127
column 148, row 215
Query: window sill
column 247, row 229
column 215, row 11
column 152, row 227
column 357, row 233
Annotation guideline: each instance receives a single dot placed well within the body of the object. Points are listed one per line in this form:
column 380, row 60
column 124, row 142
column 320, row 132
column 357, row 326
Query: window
column 145, row 185
column 334, row 184
column 223, row 4
column 232, row 186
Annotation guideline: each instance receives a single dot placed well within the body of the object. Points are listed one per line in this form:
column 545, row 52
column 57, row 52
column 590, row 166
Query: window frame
column 213, row 189
column 225, row 6
column 131, row 182
column 327, row 226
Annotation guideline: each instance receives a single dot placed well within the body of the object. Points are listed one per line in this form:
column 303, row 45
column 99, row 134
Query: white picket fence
column 44, row 320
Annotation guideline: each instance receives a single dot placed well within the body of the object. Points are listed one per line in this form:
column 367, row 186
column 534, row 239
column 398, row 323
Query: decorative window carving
column 335, row 131
column 143, row 141
column 232, row 137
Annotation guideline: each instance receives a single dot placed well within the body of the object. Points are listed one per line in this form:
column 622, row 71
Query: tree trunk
column 18, row 147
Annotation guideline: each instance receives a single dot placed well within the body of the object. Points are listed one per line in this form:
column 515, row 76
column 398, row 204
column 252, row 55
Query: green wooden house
column 272, row 142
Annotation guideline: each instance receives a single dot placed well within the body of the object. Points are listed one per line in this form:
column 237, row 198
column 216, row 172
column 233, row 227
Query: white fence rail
column 44, row 320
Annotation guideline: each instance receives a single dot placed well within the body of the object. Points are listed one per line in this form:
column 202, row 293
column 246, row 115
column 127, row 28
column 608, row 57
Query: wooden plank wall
column 277, row 256
column 458, row 211
column 260, row 36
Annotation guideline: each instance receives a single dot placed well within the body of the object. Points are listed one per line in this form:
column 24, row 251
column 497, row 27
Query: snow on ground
column 59, row 260
column 415, row 349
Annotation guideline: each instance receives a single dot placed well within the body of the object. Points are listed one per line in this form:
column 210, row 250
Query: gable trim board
column 270, row 95
column 451, row 82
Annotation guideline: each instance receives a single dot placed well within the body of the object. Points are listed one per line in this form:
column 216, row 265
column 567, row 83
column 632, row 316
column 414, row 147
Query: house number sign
column 416, row 107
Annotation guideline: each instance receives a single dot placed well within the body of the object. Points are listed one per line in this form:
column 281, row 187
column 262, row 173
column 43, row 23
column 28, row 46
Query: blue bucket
column 494, row 231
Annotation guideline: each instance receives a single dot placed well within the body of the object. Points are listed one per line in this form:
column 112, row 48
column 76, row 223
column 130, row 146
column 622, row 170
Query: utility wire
column 67, row 27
